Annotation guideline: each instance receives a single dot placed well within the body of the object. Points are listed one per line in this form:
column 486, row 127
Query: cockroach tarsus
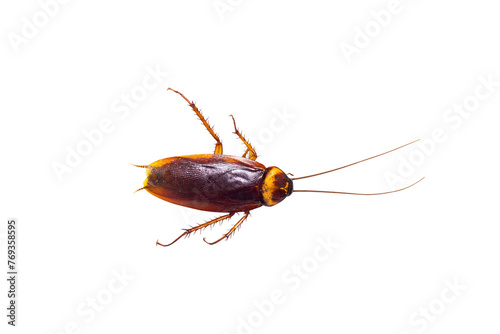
column 224, row 183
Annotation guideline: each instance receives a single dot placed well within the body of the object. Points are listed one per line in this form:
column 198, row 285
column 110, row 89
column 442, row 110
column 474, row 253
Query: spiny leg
column 250, row 150
column 218, row 145
column 231, row 231
column 196, row 228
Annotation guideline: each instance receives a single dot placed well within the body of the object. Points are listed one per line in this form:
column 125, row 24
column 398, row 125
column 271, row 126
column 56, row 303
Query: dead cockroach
column 225, row 183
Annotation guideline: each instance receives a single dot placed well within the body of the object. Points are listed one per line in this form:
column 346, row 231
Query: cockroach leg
column 250, row 150
column 199, row 227
column 245, row 154
column 218, row 145
column 231, row 231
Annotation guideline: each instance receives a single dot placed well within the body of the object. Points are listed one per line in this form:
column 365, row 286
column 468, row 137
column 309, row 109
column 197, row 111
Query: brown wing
column 209, row 182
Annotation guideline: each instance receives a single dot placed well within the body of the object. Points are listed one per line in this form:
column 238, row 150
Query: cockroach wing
column 209, row 182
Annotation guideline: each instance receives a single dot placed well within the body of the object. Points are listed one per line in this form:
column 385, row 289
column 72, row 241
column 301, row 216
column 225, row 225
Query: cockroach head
column 274, row 186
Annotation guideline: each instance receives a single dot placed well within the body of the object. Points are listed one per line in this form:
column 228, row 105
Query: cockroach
column 225, row 183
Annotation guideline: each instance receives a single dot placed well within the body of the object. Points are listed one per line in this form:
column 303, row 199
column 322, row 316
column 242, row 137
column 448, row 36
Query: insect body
column 222, row 183
column 218, row 183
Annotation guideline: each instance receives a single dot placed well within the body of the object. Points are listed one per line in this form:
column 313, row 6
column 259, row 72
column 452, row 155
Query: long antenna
column 344, row 193
column 354, row 163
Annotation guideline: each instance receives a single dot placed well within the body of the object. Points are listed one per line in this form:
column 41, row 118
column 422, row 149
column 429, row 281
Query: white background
column 396, row 252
